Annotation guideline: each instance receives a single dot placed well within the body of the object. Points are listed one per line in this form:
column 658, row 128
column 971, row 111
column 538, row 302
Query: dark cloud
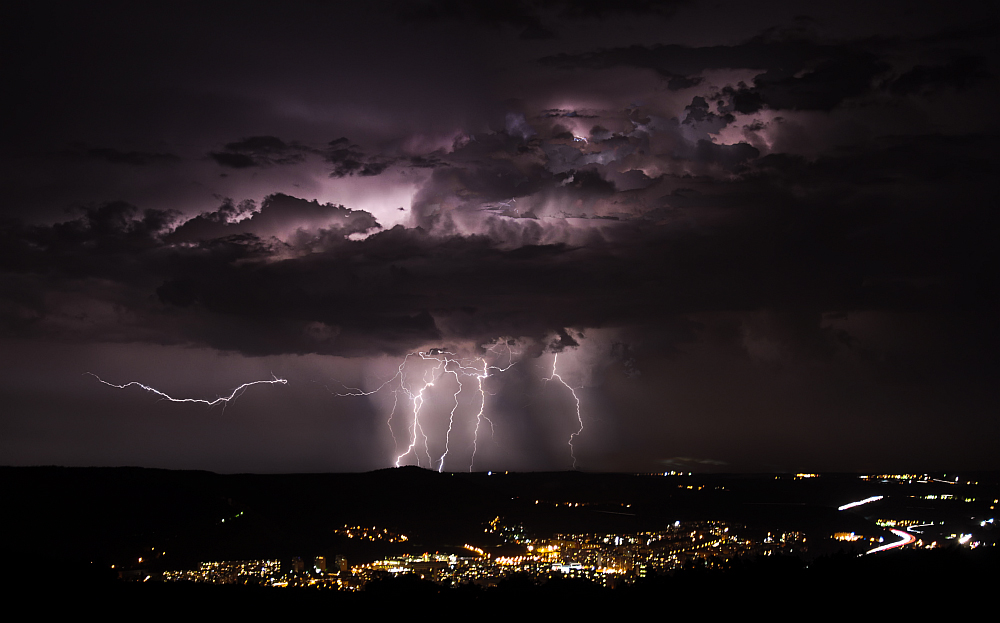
column 788, row 239
column 569, row 114
column 841, row 75
column 678, row 60
column 528, row 170
column 562, row 341
column 959, row 74
column 234, row 161
column 743, row 99
column 798, row 74
column 677, row 83
column 260, row 151
column 730, row 157
column 496, row 167
column 348, row 159
column 699, row 113
column 429, row 161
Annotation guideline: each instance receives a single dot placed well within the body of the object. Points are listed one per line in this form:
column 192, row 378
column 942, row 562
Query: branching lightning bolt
column 451, row 419
column 579, row 418
column 481, row 415
column 445, row 363
column 401, row 377
column 418, row 401
column 236, row 393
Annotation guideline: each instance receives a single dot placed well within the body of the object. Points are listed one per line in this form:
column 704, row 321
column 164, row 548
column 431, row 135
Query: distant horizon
column 960, row 473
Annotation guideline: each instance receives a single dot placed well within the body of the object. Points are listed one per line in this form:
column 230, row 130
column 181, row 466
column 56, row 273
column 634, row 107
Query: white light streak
column 914, row 527
column 905, row 539
column 860, row 502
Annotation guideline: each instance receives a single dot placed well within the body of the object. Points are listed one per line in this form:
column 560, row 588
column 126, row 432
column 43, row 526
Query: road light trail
column 873, row 498
column 914, row 527
column 905, row 538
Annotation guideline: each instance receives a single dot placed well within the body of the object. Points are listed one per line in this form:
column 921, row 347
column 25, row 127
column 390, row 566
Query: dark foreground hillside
column 75, row 540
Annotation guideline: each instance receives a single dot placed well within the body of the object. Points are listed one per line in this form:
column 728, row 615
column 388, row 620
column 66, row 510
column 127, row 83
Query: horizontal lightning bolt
column 221, row 399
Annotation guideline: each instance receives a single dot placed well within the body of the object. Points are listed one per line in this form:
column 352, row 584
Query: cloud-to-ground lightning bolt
column 451, row 418
column 579, row 418
column 479, row 416
column 236, row 393
column 400, row 376
column 418, row 401
column 445, row 363
column 480, row 376
column 416, row 398
column 466, row 367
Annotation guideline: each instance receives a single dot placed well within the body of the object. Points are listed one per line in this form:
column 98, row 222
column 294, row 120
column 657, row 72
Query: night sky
column 750, row 236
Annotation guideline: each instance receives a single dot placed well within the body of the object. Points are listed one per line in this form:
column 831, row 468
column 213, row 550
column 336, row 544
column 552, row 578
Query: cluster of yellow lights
column 892, row 523
column 371, row 534
column 216, row 572
column 554, row 503
column 670, row 473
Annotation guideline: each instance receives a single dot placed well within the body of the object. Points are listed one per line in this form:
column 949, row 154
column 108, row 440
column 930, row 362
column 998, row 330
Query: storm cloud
column 725, row 221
